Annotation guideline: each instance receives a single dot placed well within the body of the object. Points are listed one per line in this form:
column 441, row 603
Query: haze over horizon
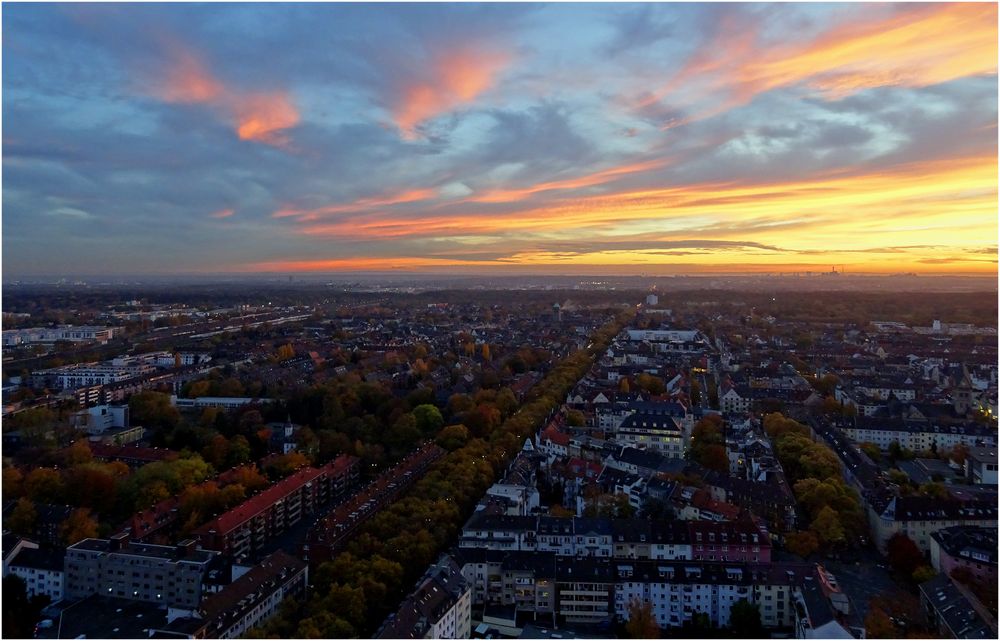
column 507, row 139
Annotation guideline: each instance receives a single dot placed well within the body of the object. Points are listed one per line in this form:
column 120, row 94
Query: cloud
column 258, row 116
column 916, row 46
column 70, row 212
column 222, row 213
column 453, row 78
column 360, row 205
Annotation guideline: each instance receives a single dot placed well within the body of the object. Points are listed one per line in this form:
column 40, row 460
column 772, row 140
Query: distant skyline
column 515, row 138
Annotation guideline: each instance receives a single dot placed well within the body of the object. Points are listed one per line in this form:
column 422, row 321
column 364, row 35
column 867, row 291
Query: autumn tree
column 904, row 555
column 453, row 437
column 878, row 625
column 641, row 621
column 828, row 528
column 802, row 543
column 12, row 482
column 78, row 525
column 23, row 517
column 44, row 485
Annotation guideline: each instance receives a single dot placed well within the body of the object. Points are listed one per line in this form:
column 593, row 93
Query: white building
column 78, row 334
column 440, row 607
column 42, row 571
column 222, row 402
column 101, row 418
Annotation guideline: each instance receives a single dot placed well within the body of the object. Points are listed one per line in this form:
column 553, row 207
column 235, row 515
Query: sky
column 482, row 138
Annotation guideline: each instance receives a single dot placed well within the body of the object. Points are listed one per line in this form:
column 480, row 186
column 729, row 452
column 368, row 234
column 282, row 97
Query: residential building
column 951, row 613
column 918, row 517
column 221, row 402
column 118, row 567
column 440, row 607
column 246, row 603
column 972, row 548
column 981, row 465
column 42, row 571
column 243, row 530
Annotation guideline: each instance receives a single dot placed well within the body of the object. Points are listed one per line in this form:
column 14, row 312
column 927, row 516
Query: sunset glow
column 564, row 138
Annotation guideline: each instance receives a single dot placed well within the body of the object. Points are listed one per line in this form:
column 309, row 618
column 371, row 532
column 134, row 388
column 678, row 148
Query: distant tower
column 557, row 309
column 652, row 299
column 962, row 396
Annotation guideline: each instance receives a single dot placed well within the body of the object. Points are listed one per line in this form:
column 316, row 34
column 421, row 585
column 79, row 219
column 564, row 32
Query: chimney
column 118, row 541
column 186, row 548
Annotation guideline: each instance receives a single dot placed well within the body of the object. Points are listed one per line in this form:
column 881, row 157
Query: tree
column 623, row 385
column 904, row 555
column 827, row 527
column 78, row 525
column 641, row 621
column 429, row 419
column 153, row 410
column 802, row 543
column 453, row 437
column 872, row 451
column 744, row 619
column 23, row 517
column 575, row 418
column 923, row 574
column 44, row 485
column 20, row 613
column 486, row 352
column 12, row 482
column 695, row 392
column 878, row 625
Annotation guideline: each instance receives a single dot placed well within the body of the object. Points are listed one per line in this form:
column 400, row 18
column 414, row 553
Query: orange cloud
column 454, row 78
column 916, row 47
column 915, row 204
column 255, row 116
column 222, row 213
column 187, row 80
column 409, row 196
column 590, row 180
column 262, row 116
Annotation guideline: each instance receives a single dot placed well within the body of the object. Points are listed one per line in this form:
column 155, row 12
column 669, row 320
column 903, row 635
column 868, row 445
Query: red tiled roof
column 253, row 506
column 554, row 435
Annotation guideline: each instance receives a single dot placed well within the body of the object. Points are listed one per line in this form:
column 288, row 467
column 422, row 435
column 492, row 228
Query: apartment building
column 596, row 590
column 969, row 547
column 118, row 567
column 918, row 517
column 41, row 570
column 439, row 608
column 243, row 530
column 247, row 602
column 918, row 436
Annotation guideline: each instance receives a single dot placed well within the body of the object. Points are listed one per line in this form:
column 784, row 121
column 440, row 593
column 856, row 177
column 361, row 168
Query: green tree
column 428, row 419
column 20, row 613
column 153, row 410
column 923, row 574
column 744, row 620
